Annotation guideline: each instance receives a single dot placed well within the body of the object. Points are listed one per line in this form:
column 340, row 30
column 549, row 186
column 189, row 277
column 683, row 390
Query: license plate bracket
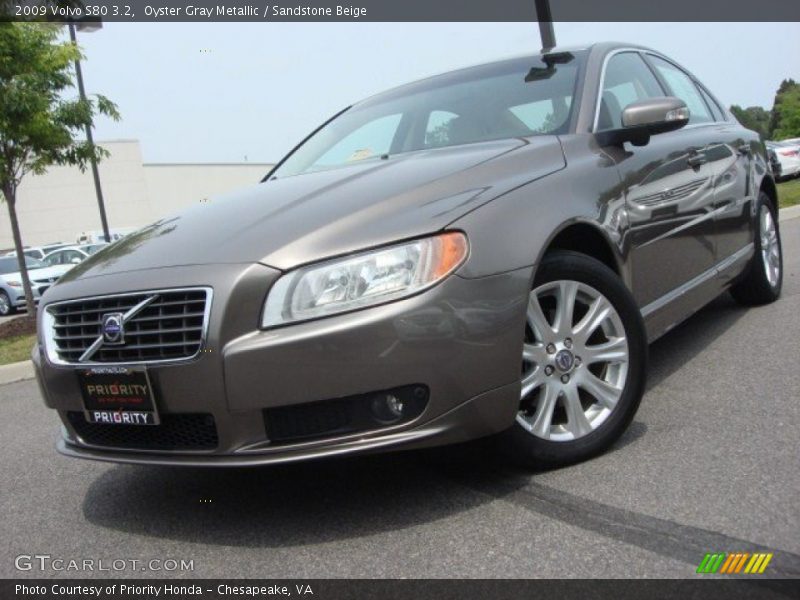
column 118, row 396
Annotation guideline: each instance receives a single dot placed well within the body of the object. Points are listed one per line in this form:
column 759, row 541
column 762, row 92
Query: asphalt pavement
column 710, row 464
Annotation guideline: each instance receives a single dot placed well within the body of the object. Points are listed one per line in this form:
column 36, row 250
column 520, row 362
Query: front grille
column 170, row 327
column 42, row 285
column 176, row 432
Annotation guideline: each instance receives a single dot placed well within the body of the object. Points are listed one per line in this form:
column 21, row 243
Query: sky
column 216, row 92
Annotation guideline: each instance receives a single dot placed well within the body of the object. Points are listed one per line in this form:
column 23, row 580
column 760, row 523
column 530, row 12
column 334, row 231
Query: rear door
column 728, row 153
column 668, row 186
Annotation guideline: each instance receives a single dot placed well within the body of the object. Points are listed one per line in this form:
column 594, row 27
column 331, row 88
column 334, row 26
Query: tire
column 6, row 308
column 763, row 280
column 548, row 380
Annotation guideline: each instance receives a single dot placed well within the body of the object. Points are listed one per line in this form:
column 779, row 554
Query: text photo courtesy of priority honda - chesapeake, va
column 399, row 300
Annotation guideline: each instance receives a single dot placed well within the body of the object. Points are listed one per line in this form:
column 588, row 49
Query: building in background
column 61, row 204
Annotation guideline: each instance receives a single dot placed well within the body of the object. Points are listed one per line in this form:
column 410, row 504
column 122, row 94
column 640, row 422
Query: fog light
column 387, row 408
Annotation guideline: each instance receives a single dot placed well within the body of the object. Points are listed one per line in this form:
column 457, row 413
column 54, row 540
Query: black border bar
column 266, row 11
column 407, row 589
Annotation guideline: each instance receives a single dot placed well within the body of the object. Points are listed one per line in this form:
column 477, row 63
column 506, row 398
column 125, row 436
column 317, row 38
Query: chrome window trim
column 641, row 51
column 48, row 331
column 599, row 92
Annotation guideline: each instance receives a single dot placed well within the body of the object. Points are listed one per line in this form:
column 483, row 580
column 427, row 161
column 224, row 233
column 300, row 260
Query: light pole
column 89, row 27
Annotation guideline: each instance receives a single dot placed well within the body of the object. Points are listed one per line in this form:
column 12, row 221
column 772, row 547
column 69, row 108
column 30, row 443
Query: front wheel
column 6, row 308
column 583, row 363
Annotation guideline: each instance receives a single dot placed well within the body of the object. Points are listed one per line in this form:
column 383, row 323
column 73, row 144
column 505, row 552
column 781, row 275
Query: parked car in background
column 788, row 155
column 39, row 252
column 72, row 255
column 12, row 294
column 487, row 251
column 96, row 237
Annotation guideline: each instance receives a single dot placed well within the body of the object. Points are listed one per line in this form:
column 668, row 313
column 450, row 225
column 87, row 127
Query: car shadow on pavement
column 334, row 499
column 671, row 352
column 286, row 505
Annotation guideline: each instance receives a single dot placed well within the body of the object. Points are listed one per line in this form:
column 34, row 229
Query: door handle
column 695, row 160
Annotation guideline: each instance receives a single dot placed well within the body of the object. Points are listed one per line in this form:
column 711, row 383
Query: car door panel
column 669, row 198
column 734, row 193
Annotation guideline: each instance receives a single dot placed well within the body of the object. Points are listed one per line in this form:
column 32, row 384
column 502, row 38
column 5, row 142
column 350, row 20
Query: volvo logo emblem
column 113, row 328
column 564, row 360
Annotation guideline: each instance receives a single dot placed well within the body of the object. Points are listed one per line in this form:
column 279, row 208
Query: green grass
column 789, row 193
column 16, row 349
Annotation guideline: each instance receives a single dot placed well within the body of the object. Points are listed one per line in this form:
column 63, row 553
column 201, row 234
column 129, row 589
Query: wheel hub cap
column 564, row 361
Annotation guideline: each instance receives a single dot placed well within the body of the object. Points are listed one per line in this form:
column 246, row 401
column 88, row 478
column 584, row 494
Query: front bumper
column 461, row 339
column 19, row 300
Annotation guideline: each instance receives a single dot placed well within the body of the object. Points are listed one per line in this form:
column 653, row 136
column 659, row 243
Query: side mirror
column 644, row 118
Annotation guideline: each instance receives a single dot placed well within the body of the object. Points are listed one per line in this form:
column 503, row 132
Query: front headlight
column 17, row 284
column 362, row 280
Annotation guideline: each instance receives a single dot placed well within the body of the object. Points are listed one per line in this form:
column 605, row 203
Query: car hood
column 290, row 221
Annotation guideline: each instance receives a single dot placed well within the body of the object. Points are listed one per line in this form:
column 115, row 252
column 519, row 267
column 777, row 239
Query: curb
column 19, row 371
column 793, row 212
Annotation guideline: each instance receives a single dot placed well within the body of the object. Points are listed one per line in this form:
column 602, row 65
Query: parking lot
column 709, row 465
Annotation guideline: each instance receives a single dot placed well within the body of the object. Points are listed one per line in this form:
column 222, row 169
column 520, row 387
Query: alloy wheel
column 770, row 250
column 574, row 361
column 5, row 306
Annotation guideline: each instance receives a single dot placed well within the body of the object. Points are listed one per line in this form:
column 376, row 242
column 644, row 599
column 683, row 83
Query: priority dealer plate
column 118, row 396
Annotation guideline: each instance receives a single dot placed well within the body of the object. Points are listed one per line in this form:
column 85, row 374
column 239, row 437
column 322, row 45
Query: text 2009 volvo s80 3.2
column 484, row 252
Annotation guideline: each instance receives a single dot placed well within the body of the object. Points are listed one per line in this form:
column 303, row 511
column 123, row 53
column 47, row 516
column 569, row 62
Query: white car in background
column 12, row 294
column 38, row 252
column 788, row 154
column 97, row 237
column 71, row 255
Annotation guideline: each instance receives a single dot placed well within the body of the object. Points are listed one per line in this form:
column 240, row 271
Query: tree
column 753, row 117
column 39, row 127
column 786, row 113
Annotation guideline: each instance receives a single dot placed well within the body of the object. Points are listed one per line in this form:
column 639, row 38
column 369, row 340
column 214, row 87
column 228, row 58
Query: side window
column 683, row 87
column 543, row 116
column 54, row 259
column 715, row 109
column 370, row 140
column 627, row 79
column 438, row 129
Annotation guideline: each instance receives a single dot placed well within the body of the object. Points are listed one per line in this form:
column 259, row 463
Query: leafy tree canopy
column 786, row 113
column 753, row 117
column 38, row 126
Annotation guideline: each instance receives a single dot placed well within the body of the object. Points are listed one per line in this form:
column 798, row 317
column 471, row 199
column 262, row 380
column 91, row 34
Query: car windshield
column 93, row 248
column 9, row 264
column 517, row 98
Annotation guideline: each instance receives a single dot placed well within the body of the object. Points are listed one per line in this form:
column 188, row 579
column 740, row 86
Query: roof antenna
column 545, row 18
